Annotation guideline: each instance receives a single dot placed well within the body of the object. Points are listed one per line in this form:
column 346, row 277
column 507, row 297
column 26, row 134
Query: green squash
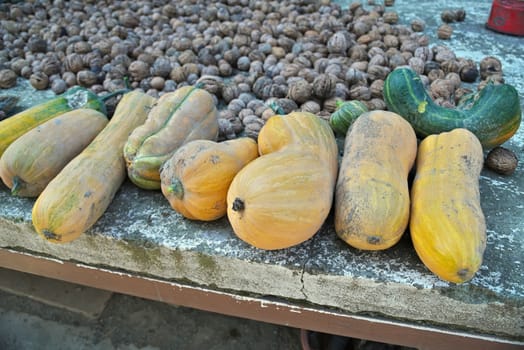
column 345, row 114
column 493, row 114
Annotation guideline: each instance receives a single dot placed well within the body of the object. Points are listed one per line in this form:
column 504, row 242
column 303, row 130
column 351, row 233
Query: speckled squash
column 36, row 157
column 493, row 114
column 20, row 123
column 447, row 224
column 283, row 197
column 186, row 114
column 195, row 180
column 80, row 194
column 372, row 201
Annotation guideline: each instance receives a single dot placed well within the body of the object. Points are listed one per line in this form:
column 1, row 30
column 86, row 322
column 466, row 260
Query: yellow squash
column 80, row 194
column 283, row 197
column 196, row 178
column 372, row 201
column 447, row 224
column 36, row 157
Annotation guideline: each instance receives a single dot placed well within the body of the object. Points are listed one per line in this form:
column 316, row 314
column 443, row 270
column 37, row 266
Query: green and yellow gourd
column 74, row 98
column 186, row 114
column 493, row 114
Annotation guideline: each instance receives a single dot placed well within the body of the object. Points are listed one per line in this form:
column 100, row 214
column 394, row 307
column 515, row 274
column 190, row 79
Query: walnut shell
column 39, row 80
column 7, row 78
column 324, row 85
column 490, row 66
column 300, row 90
column 502, row 161
column 86, row 78
column 337, row 44
column 310, row 106
column 444, row 31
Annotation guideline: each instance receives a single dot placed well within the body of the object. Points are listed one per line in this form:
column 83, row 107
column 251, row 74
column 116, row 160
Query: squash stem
column 114, row 93
column 238, row 204
column 17, row 185
column 176, row 188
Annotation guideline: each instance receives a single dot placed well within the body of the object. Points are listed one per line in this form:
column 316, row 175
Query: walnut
column 187, row 56
column 502, row 160
column 450, row 66
column 7, row 78
column 139, row 70
column 178, row 74
column 300, row 90
column 212, row 84
column 338, row 43
column 390, row 17
column 330, row 105
column 74, row 62
column 376, row 104
column 418, row 25
column 441, row 88
column 86, row 78
column 360, row 92
column 454, row 78
column 377, row 72
column 390, row 40
column 324, row 85
column 448, row 16
column 444, row 31
column 128, row 20
column 417, row 64
column 468, row 70
column 490, row 66
column 377, row 88
column 310, row 106
column 39, row 80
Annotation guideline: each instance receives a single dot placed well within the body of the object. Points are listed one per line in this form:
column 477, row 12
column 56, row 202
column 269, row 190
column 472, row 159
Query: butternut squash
column 196, row 178
column 283, row 197
column 80, row 194
column 36, row 157
column 447, row 224
column 186, row 114
column 372, row 203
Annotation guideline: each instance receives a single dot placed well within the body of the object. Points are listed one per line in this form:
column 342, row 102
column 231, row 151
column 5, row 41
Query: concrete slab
column 141, row 234
column 89, row 302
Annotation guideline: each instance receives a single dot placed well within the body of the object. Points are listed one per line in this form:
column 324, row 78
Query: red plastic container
column 507, row 16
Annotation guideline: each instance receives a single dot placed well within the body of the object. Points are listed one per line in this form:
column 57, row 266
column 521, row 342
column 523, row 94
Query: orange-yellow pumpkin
column 372, row 204
column 196, row 178
column 447, row 224
column 283, row 197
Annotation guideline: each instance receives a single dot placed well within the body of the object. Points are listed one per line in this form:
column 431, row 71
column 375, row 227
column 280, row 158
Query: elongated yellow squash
column 372, row 201
column 447, row 224
column 80, row 194
column 36, row 157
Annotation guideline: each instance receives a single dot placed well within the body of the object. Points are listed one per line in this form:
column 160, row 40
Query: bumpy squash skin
column 79, row 195
column 186, row 114
column 196, row 178
column 372, row 202
column 36, row 157
column 447, row 224
column 283, row 197
column 20, row 123
column 493, row 115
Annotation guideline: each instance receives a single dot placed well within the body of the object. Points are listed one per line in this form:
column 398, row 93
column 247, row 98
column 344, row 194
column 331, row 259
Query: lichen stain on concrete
column 207, row 264
column 144, row 257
